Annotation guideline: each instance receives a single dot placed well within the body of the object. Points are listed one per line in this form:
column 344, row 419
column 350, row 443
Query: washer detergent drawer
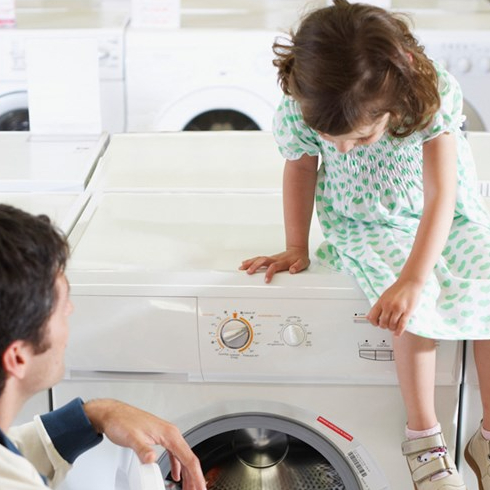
column 118, row 336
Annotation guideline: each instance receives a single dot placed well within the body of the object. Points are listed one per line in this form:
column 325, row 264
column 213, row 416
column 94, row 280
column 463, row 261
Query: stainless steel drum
column 265, row 453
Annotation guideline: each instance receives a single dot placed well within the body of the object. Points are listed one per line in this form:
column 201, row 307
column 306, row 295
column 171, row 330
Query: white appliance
column 230, row 83
column 211, row 161
column 48, row 164
column 200, row 79
column 213, row 73
column 164, row 320
column 63, row 20
column 471, row 406
column 458, row 35
column 61, row 207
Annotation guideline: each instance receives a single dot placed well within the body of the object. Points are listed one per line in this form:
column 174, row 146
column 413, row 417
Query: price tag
column 155, row 13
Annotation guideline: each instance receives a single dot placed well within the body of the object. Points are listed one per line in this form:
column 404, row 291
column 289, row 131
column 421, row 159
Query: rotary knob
column 293, row 334
column 235, row 333
column 484, row 64
column 463, row 65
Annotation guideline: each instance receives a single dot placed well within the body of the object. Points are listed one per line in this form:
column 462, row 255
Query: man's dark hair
column 32, row 254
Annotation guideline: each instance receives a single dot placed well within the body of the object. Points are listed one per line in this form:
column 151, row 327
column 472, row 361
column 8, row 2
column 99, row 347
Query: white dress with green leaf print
column 369, row 204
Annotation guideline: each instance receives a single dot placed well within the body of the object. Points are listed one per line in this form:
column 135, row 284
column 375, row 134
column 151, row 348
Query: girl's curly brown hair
column 349, row 64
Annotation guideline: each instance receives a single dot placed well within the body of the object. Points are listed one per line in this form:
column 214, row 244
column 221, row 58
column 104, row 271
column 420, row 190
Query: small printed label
column 370, row 474
column 7, row 13
column 353, row 456
column 336, row 429
column 360, row 318
column 155, row 13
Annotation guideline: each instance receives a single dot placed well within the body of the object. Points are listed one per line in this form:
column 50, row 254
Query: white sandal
column 427, row 457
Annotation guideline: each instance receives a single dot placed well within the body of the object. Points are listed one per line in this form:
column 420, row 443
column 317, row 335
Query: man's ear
column 15, row 358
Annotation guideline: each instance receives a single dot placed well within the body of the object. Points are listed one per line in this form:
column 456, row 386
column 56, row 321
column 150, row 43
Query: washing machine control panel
column 109, row 50
column 291, row 339
column 236, row 331
column 466, row 55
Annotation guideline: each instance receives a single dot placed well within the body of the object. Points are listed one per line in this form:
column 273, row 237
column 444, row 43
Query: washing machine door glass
column 14, row 115
column 221, row 120
column 265, row 452
column 473, row 120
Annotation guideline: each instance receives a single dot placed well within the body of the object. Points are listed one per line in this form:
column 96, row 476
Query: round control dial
column 484, row 64
column 463, row 65
column 235, row 333
column 293, row 334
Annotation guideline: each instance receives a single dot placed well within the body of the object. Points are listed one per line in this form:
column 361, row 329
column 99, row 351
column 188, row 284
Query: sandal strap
column 444, row 463
column 422, row 444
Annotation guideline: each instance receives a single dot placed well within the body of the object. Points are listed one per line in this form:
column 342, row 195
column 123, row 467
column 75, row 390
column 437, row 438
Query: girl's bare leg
column 415, row 359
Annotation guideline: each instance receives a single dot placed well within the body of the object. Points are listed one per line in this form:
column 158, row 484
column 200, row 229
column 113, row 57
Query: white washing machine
column 63, row 208
column 209, row 160
column 200, row 79
column 457, row 33
column 471, row 407
column 63, row 20
column 213, row 73
column 230, row 83
column 33, row 163
column 276, row 385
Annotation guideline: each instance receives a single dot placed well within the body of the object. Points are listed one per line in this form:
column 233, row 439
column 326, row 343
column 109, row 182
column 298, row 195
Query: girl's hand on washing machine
column 131, row 427
column 293, row 260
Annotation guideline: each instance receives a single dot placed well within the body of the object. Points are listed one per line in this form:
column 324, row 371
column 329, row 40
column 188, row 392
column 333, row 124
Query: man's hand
column 131, row 427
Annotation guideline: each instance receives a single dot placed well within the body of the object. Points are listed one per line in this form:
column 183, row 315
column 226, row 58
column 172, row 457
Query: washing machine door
column 14, row 114
column 270, row 451
column 217, row 108
column 474, row 121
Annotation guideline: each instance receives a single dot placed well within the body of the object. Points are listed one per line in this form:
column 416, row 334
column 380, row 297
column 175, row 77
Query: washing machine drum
column 221, row 120
column 14, row 114
column 255, row 459
column 264, row 452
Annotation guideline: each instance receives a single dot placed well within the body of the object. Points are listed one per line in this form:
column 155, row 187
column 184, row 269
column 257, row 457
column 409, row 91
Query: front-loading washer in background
column 200, row 79
column 459, row 38
column 230, row 82
column 47, row 176
column 38, row 19
column 213, row 73
column 164, row 320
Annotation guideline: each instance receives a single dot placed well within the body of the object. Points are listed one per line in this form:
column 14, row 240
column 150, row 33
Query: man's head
column 33, row 256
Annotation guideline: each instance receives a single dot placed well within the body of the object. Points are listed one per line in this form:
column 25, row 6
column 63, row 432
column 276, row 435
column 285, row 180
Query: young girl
column 397, row 199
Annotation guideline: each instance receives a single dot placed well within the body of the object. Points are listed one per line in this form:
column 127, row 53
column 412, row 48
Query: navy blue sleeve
column 70, row 430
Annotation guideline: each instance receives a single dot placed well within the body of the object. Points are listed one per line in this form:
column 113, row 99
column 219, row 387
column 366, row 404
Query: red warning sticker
column 336, row 429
